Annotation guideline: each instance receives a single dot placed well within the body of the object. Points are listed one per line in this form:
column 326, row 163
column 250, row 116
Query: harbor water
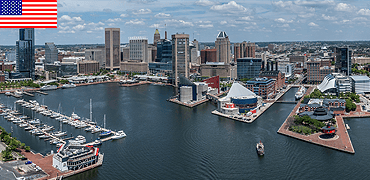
column 168, row 141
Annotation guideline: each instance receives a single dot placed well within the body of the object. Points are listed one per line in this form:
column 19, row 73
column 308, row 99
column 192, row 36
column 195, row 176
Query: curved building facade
column 328, row 84
column 245, row 103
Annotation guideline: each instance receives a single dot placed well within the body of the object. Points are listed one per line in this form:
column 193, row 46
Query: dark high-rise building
column 180, row 56
column 112, row 48
column 25, row 53
column 164, row 51
column 208, row 55
column 51, row 53
column 248, row 67
column 343, row 60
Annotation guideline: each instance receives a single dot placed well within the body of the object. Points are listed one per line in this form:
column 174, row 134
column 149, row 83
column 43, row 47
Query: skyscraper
column 139, row 49
column 222, row 44
column 157, row 37
column 112, row 48
column 343, row 60
column 25, row 53
column 180, row 56
column 164, row 51
column 244, row 49
column 51, row 53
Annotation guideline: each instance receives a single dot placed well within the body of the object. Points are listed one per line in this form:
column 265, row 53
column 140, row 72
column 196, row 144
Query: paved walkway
column 343, row 143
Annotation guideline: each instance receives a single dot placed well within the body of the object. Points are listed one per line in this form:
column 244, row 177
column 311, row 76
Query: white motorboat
column 96, row 129
column 299, row 94
column 119, row 135
column 23, row 125
column 59, row 134
column 48, row 87
column 75, row 116
column 35, row 121
column 89, row 129
column 68, row 86
column 78, row 140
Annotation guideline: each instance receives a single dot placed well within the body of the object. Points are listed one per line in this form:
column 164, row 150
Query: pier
column 342, row 143
column 40, row 92
column 27, row 93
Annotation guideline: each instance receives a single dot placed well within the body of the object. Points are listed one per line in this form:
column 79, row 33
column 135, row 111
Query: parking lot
column 20, row 169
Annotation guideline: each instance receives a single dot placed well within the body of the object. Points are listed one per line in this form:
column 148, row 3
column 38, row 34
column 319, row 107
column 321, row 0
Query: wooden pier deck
column 27, row 93
column 40, row 92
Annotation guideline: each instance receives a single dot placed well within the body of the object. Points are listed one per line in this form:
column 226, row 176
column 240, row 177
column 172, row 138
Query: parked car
column 28, row 162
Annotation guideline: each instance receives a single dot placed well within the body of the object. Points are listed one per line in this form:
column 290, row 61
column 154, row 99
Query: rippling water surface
column 168, row 141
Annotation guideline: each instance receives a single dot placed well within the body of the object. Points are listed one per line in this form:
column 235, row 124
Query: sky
column 83, row 21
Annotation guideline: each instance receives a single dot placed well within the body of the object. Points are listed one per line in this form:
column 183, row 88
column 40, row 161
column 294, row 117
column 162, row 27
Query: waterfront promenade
column 46, row 164
column 341, row 141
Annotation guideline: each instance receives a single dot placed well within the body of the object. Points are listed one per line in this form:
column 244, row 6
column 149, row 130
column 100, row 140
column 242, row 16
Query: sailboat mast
column 90, row 109
column 104, row 121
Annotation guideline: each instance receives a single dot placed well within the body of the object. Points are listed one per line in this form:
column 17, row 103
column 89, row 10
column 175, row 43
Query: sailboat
column 105, row 133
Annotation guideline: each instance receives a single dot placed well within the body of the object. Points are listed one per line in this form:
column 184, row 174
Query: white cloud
column 329, row 18
column 205, row 3
column 89, row 32
column 135, row 22
column 96, row 24
column 114, row 20
column 339, row 31
column 206, row 25
column 178, row 23
column 306, row 15
column 359, row 19
column 223, row 22
column 365, row 12
column 66, row 18
column 123, row 15
column 67, row 32
column 156, row 26
column 79, row 27
column 344, row 7
column 231, row 7
column 162, row 15
column 282, row 20
column 312, row 24
column 246, row 18
column 142, row 11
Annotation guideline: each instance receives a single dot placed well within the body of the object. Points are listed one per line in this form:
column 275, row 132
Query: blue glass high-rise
column 25, row 53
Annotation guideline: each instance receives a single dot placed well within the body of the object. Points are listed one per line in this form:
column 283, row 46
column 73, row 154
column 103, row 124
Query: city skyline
column 256, row 21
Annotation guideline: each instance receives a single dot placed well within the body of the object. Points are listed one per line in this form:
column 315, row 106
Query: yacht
column 97, row 142
column 105, row 133
column 75, row 116
column 119, row 135
column 55, row 141
column 96, row 129
column 23, row 125
column 68, row 86
column 59, row 134
column 48, row 128
column 44, row 136
column 35, row 121
column 89, row 129
column 260, row 149
column 48, row 87
column 299, row 94
column 78, row 140
column 28, row 128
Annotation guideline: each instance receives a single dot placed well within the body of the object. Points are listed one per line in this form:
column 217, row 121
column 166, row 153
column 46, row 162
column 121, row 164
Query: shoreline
column 343, row 143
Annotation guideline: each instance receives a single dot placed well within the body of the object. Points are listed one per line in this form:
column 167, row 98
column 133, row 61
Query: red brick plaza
column 341, row 142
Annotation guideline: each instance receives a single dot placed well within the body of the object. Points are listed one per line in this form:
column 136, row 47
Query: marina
column 168, row 138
